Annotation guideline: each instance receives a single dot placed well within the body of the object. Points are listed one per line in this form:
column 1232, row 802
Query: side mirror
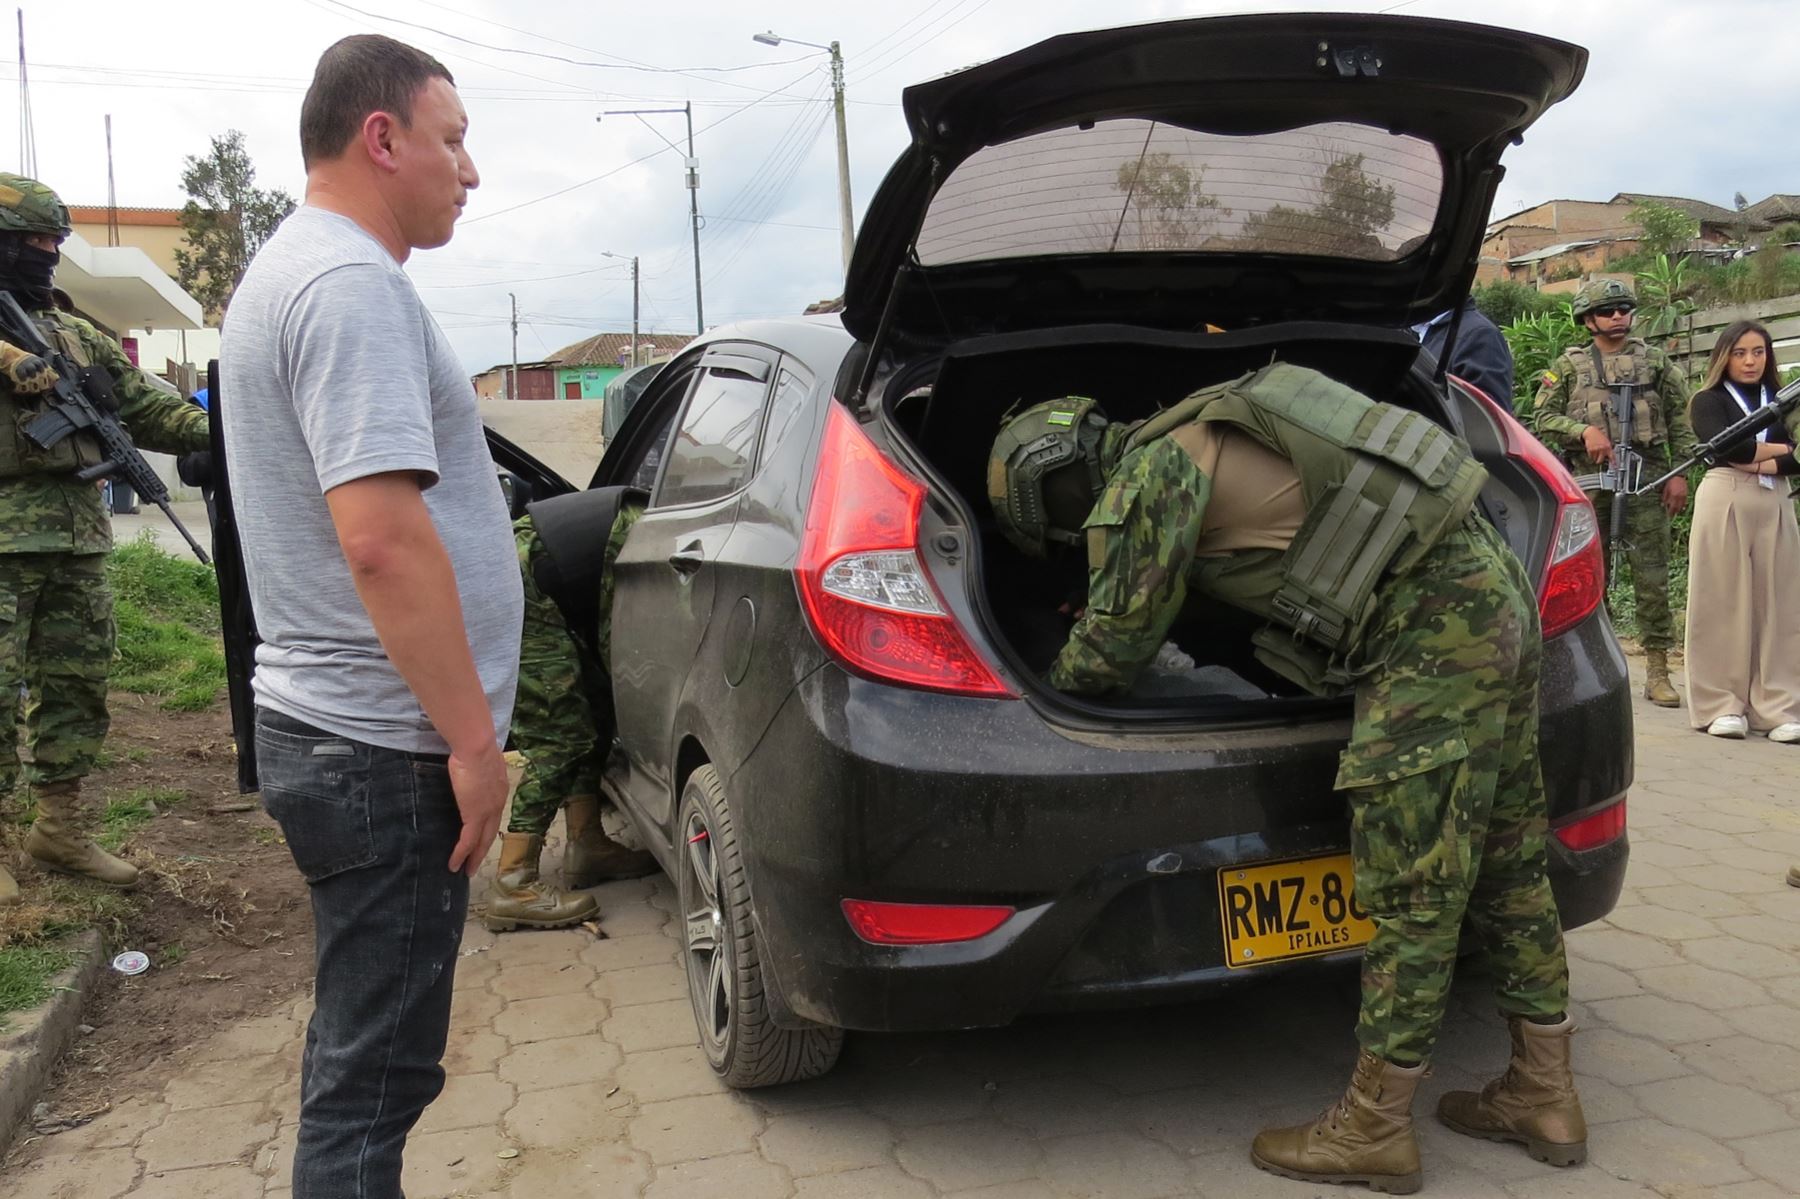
column 517, row 492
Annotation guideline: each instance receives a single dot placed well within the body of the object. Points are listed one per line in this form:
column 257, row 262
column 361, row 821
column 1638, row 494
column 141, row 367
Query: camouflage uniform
column 1561, row 414
column 1448, row 816
column 56, row 625
column 554, row 726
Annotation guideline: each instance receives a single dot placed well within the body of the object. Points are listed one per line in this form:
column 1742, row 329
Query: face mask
column 30, row 275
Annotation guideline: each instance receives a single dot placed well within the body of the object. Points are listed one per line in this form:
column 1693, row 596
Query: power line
column 634, row 162
column 625, row 65
column 920, row 40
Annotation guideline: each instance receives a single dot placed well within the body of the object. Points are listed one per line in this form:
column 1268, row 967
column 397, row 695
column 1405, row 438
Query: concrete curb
column 30, row 1051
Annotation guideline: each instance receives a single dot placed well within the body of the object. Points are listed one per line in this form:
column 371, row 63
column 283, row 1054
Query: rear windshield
column 1338, row 190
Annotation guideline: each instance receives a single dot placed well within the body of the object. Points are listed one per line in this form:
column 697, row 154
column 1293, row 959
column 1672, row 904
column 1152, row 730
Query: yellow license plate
column 1274, row 911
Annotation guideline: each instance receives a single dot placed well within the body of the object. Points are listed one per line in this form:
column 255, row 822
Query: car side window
column 710, row 454
column 645, row 454
column 791, row 389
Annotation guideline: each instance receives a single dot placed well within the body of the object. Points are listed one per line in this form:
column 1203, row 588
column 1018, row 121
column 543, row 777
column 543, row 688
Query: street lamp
column 843, row 138
column 634, row 300
column 693, row 186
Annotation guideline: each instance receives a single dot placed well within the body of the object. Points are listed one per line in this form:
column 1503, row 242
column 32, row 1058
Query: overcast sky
column 1680, row 98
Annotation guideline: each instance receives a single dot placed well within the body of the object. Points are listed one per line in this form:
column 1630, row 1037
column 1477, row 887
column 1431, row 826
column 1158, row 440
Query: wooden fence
column 1693, row 342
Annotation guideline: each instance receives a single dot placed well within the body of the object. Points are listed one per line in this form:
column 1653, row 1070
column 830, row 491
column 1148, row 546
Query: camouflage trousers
column 56, row 642
column 1647, row 548
column 1448, row 816
column 553, row 723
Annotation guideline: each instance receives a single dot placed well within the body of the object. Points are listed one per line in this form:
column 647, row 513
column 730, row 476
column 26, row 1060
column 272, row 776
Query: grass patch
column 167, row 610
column 25, row 974
column 125, row 814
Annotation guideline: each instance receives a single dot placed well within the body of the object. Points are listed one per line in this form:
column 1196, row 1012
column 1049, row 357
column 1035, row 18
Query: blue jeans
column 371, row 829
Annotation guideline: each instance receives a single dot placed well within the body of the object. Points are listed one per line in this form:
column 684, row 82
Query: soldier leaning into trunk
column 1433, row 622
column 557, row 729
column 1573, row 415
column 56, row 610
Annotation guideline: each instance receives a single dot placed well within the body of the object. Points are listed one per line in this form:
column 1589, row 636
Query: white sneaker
column 1733, row 727
column 1786, row 734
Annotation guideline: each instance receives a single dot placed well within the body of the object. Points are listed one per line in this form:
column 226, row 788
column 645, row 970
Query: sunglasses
column 1612, row 310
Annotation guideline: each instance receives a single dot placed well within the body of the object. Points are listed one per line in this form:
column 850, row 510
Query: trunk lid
column 1231, row 170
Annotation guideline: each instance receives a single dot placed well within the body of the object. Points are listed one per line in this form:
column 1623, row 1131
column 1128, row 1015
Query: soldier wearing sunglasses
column 1573, row 416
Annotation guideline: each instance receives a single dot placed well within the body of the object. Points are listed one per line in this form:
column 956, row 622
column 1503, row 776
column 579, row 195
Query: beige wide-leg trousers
column 1743, row 615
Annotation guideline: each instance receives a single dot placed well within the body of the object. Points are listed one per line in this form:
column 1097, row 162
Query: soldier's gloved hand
column 1674, row 495
column 24, row 371
column 1598, row 445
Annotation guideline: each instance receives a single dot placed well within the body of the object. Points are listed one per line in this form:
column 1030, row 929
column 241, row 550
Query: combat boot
column 1533, row 1103
column 1657, row 688
column 519, row 897
column 591, row 857
column 1367, row 1136
column 56, row 842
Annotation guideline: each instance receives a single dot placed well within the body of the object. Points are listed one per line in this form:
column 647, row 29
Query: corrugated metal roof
column 1700, row 210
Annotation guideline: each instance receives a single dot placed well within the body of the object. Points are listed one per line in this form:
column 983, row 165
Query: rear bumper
column 1108, row 845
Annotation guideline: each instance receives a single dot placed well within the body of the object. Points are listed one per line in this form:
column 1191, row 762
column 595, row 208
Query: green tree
column 1536, row 340
column 1666, row 230
column 1165, row 203
column 225, row 222
column 1665, row 298
column 1352, row 209
column 1504, row 301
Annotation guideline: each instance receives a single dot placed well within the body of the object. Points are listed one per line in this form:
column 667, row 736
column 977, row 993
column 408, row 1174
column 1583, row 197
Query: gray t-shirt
column 333, row 371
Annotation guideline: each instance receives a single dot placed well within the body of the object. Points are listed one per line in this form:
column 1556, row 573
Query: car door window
column 710, row 454
column 791, row 389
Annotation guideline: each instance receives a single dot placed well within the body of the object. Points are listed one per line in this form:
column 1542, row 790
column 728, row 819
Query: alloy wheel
column 710, row 969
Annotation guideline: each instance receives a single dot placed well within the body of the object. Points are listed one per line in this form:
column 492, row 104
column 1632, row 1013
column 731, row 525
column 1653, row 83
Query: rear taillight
column 1595, row 830
column 1574, row 580
column 922, row 923
column 861, row 581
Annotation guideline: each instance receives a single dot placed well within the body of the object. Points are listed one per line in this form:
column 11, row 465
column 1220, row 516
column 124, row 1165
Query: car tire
column 720, row 955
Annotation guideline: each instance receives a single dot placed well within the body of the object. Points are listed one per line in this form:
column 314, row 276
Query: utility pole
column 112, row 193
column 512, row 389
column 693, row 183
column 634, row 300
column 843, row 139
column 634, row 310
column 846, row 222
column 27, row 132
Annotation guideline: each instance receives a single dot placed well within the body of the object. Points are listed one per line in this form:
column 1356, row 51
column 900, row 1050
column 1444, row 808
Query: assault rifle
column 84, row 403
column 1624, row 475
column 1713, row 452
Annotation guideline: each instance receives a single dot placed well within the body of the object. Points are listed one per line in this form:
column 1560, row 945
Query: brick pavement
column 577, row 1059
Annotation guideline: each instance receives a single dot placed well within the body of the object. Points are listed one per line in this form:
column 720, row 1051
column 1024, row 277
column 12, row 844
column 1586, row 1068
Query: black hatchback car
column 833, row 727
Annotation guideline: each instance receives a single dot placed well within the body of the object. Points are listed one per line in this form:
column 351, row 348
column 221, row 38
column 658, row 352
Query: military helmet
column 27, row 206
column 1599, row 293
column 1045, row 471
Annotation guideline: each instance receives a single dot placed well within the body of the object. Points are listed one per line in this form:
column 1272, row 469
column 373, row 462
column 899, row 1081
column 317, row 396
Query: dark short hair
column 359, row 75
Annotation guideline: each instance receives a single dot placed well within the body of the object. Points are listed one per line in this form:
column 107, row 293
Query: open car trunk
column 947, row 410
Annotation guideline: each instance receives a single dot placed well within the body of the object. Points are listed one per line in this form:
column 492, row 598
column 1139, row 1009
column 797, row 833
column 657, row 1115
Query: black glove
column 195, row 469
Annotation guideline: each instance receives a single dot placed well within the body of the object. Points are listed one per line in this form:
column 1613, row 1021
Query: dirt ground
column 221, row 911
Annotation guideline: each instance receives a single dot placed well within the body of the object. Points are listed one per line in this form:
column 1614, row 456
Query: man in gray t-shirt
column 386, row 592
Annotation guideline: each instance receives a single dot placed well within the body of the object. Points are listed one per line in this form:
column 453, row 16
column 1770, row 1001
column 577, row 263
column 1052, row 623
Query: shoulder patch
column 1549, row 378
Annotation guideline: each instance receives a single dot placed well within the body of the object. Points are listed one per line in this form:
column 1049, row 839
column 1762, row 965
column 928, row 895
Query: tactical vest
column 1590, row 400
column 19, row 456
column 1382, row 485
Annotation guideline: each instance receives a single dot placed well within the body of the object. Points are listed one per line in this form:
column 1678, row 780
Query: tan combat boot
column 1657, row 688
column 56, row 842
column 1533, row 1103
column 1367, row 1136
column 591, row 857
column 520, row 897
column 1794, row 875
